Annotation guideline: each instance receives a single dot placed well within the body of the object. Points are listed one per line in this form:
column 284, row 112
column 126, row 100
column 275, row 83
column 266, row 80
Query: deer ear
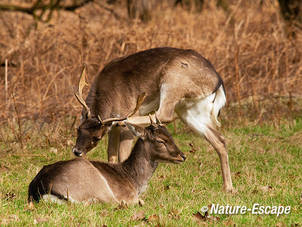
column 136, row 130
column 102, row 132
column 158, row 122
column 100, row 119
column 151, row 120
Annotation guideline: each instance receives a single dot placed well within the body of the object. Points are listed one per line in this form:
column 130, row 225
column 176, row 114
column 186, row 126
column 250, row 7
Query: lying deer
column 174, row 81
column 105, row 182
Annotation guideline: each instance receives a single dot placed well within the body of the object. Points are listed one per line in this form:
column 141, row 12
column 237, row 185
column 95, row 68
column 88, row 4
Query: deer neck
column 139, row 165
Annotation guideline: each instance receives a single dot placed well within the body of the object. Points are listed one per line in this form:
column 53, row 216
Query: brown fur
column 115, row 90
column 83, row 180
column 168, row 77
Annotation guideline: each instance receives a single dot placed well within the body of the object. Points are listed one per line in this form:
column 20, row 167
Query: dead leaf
column 153, row 218
column 69, row 143
column 255, row 191
column 13, row 217
column 141, row 202
column 228, row 222
column 122, row 205
column 193, row 149
column 258, row 219
column 29, row 207
column 280, row 224
column 40, row 220
column 142, row 224
column 139, row 216
column 199, row 217
column 213, row 218
column 10, row 196
column 4, row 168
column 237, row 174
column 200, row 165
column 53, row 150
column 167, row 187
column 104, row 213
column 174, row 214
column 266, row 188
column 202, row 218
column 4, row 221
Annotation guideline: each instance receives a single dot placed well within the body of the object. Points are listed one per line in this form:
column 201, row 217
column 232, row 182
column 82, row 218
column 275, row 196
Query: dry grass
column 261, row 67
column 247, row 46
column 262, row 70
column 265, row 164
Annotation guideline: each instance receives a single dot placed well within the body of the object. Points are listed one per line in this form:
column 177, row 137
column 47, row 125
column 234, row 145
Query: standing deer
column 173, row 80
column 105, row 182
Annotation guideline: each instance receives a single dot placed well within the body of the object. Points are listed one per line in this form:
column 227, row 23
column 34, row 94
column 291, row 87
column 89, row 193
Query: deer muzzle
column 77, row 152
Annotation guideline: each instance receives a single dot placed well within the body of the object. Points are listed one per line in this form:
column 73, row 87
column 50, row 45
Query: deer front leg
column 126, row 141
column 200, row 123
column 113, row 144
column 168, row 101
column 166, row 113
column 218, row 142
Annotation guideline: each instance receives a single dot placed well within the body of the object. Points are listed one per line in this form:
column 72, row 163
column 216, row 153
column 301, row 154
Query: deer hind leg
column 199, row 117
column 218, row 142
column 126, row 141
column 113, row 144
column 167, row 102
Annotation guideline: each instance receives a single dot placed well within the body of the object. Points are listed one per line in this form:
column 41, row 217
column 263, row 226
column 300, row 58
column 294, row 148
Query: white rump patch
column 163, row 93
column 55, row 199
column 200, row 113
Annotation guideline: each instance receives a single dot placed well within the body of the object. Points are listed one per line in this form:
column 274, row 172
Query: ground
column 265, row 163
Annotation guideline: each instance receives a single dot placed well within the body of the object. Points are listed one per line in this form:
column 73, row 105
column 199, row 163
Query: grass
column 266, row 169
column 247, row 45
column 249, row 48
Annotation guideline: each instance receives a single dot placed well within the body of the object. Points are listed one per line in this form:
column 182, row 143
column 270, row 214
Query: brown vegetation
column 246, row 44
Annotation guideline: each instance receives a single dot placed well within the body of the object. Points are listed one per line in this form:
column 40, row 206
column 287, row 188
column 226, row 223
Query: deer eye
column 95, row 139
column 160, row 141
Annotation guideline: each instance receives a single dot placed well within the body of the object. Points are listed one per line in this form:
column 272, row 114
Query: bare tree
column 140, row 9
column 291, row 11
column 42, row 10
column 190, row 5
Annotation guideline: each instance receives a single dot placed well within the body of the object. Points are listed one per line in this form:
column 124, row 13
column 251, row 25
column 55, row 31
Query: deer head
column 93, row 128
column 162, row 146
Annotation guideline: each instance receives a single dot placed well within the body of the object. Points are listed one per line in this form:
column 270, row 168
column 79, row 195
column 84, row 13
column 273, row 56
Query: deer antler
column 151, row 120
column 139, row 102
column 157, row 120
column 111, row 119
column 79, row 94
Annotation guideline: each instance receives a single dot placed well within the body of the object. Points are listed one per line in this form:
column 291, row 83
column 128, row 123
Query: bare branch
column 39, row 6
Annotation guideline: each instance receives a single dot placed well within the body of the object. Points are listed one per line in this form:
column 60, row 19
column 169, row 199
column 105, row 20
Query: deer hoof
column 113, row 159
column 123, row 204
column 230, row 190
column 141, row 202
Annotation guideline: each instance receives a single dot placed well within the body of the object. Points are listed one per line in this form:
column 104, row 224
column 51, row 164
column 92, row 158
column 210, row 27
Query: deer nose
column 77, row 152
column 183, row 157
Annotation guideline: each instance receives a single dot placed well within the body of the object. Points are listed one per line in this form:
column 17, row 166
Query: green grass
column 266, row 167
